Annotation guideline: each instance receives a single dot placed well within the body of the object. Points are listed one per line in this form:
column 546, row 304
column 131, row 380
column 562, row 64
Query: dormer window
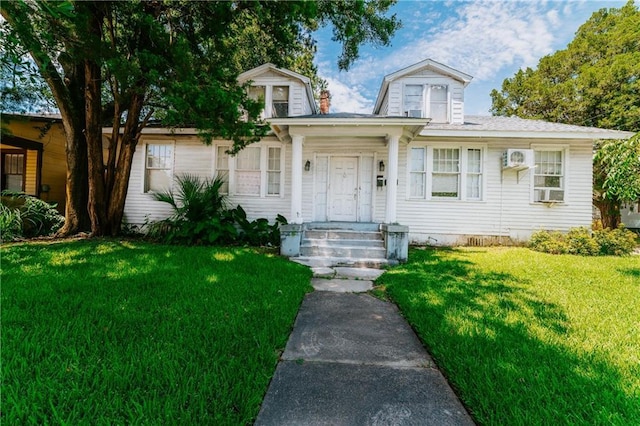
column 275, row 99
column 428, row 101
column 280, row 102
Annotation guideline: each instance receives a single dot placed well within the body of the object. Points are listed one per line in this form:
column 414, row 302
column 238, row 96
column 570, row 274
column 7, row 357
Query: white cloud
column 346, row 98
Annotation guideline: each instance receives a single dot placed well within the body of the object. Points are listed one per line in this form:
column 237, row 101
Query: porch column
column 392, row 178
column 296, row 179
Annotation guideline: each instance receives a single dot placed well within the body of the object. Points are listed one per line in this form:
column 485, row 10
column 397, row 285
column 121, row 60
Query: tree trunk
column 76, row 216
column 93, row 133
column 129, row 141
column 609, row 212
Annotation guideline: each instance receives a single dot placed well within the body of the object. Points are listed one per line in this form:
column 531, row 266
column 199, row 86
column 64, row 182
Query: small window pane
column 417, row 159
column 249, row 159
column 257, row 93
column 474, row 160
column 445, row 185
column 417, row 185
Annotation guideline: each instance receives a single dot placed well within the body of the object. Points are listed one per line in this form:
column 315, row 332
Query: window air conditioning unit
column 415, row 113
column 549, row 195
column 517, row 159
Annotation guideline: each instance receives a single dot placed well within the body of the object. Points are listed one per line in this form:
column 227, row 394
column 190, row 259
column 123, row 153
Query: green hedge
column 582, row 241
column 24, row 216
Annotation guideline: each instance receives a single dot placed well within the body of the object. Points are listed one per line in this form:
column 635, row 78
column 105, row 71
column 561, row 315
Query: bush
column 201, row 216
column 580, row 241
column 35, row 216
column 615, row 242
column 549, row 242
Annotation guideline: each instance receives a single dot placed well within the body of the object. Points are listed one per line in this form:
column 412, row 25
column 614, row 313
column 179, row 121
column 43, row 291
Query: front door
column 343, row 195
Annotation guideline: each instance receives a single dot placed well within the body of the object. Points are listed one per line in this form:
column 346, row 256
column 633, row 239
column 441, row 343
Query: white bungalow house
column 417, row 170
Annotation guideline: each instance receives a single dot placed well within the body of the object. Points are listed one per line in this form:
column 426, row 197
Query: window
column 158, row 167
column 474, row 174
column 222, row 167
column 435, row 107
column 248, row 171
column 418, row 173
column 446, row 173
column 273, row 171
column 275, row 99
column 413, row 103
column 13, row 172
column 280, row 101
column 438, row 104
column 255, row 171
column 548, row 180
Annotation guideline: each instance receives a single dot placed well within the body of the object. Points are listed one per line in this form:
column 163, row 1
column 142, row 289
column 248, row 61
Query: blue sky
column 489, row 40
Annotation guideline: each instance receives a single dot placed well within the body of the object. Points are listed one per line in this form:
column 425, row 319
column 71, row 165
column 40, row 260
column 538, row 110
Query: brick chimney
column 325, row 101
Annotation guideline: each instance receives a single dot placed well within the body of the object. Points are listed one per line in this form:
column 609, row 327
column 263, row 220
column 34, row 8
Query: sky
column 490, row 40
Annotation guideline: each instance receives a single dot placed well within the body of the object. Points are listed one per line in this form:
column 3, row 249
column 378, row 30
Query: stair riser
column 347, row 226
column 350, row 252
column 339, row 235
column 343, row 243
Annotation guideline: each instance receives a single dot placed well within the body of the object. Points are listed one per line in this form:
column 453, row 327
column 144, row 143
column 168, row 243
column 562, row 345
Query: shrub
column 201, row 216
column 10, row 223
column 580, row 241
column 615, row 242
column 549, row 242
column 36, row 217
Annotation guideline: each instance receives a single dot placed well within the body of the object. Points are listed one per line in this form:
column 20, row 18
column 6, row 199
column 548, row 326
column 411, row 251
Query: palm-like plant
column 195, row 199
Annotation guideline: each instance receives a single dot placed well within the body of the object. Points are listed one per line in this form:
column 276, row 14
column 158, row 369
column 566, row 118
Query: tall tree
column 122, row 64
column 595, row 81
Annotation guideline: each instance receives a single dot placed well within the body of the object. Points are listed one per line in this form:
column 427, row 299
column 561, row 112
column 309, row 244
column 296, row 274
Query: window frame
column 267, row 111
column 145, row 168
column 264, row 170
column 426, row 106
column 564, row 150
column 463, row 173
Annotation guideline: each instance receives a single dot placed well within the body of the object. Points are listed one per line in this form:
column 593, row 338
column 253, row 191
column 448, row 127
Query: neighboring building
column 417, row 162
column 630, row 215
column 33, row 158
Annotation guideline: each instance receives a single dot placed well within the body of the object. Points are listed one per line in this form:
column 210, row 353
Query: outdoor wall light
column 307, row 166
column 381, row 166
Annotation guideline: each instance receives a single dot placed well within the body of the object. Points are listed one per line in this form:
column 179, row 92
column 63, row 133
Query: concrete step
column 328, row 262
column 335, row 234
column 322, row 242
column 344, row 251
column 351, row 226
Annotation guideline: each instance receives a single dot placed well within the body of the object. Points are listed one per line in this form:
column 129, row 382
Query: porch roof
column 347, row 124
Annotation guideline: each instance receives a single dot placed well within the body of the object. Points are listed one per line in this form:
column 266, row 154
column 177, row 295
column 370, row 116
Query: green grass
column 528, row 338
column 109, row 332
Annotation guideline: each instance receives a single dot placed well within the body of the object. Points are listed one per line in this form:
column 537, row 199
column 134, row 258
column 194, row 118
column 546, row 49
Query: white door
column 343, row 201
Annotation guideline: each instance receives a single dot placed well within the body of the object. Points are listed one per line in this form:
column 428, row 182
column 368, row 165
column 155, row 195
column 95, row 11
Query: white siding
column 631, row 216
column 194, row 157
column 506, row 209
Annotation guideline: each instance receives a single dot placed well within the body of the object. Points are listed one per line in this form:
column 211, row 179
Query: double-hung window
column 158, row 167
column 255, row 171
column 280, row 101
column 248, row 171
column 426, row 100
column 445, row 180
column 413, row 101
column 275, row 99
column 222, row 167
column 548, row 175
column 446, row 173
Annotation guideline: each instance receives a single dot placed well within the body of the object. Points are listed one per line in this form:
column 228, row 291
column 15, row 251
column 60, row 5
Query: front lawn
column 526, row 337
column 109, row 332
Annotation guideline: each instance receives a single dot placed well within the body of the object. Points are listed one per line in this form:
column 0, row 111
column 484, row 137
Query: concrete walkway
column 353, row 360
